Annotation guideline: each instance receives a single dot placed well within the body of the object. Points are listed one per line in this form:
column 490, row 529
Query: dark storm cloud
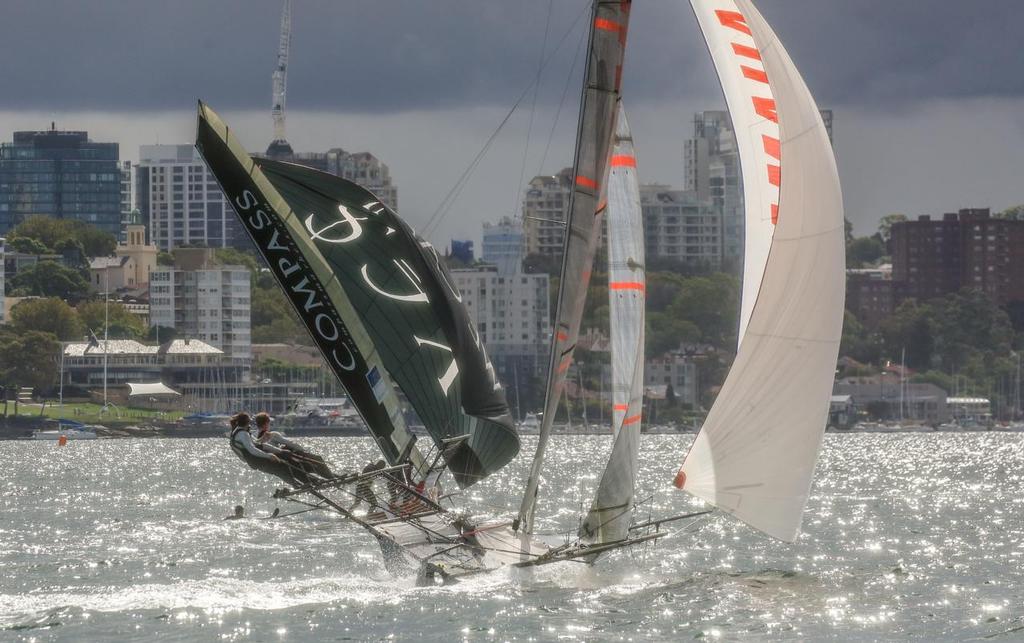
column 388, row 55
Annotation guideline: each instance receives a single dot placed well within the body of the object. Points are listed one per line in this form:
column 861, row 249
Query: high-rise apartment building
column 511, row 313
column 201, row 299
column 181, row 201
column 60, row 174
column 712, row 172
column 967, row 249
column 504, row 244
column 127, row 206
column 544, row 208
column 680, row 227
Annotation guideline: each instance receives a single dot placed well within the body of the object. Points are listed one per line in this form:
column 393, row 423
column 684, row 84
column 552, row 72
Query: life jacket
column 239, row 450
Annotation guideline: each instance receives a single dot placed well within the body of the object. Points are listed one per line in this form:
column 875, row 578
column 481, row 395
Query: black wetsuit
column 245, row 448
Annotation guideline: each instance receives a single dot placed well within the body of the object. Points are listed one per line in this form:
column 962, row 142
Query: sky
column 928, row 97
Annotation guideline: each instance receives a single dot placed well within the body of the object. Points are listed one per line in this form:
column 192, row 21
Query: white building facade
column 680, row 227
column 181, row 201
column 511, row 313
column 208, row 302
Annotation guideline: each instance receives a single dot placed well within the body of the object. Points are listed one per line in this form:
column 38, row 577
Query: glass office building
column 60, row 174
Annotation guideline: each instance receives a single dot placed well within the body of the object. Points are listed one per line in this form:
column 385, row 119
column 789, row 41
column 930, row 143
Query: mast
column 602, row 78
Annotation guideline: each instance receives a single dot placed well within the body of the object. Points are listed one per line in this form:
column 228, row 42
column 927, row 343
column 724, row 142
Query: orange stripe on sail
column 772, row 147
column 585, row 182
column 606, row 25
column 621, row 407
column 745, row 51
column 623, row 160
column 562, row 336
column 775, row 175
column 633, row 419
column 626, row 285
column 754, row 74
column 775, row 213
column 564, row 366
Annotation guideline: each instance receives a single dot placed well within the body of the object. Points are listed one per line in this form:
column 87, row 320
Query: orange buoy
column 62, row 440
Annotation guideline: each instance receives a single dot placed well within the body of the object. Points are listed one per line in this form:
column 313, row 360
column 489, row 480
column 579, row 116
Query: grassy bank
column 89, row 413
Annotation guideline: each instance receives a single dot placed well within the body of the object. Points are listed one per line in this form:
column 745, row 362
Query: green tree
column 49, row 315
column 165, row 259
column 885, row 226
column 29, row 246
column 1015, row 213
column 28, row 358
column 161, row 334
column 712, row 304
column 910, row 328
column 50, row 279
column 123, row 323
column 52, row 232
column 864, row 251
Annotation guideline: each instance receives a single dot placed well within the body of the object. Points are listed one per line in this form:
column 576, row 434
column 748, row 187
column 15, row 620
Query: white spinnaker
column 755, row 455
column 751, row 109
column 612, row 510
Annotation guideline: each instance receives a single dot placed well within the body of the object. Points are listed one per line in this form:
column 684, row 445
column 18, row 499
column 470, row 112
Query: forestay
column 602, row 78
column 612, row 510
column 755, row 455
column 378, row 302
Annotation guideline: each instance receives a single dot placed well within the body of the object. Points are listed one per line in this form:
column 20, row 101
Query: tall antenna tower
column 279, row 147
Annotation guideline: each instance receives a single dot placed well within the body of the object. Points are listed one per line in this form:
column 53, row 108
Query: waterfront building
column 60, row 174
column 130, row 267
column 880, row 396
column 869, row 294
column 201, row 299
column 181, row 201
column 678, row 226
column 504, row 244
column 511, row 313
column 677, row 371
column 966, row 249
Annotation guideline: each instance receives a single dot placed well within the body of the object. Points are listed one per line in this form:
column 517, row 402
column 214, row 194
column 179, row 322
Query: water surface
column 905, row 536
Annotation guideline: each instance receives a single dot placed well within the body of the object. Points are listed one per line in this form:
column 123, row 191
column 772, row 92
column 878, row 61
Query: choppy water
column 906, row 536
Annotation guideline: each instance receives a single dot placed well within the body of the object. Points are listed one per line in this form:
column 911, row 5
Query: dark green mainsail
column 378, row 302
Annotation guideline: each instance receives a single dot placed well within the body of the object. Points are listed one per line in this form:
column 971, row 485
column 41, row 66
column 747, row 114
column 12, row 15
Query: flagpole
column 106, row 331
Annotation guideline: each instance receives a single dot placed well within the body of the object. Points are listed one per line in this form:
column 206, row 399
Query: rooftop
column 132, row 347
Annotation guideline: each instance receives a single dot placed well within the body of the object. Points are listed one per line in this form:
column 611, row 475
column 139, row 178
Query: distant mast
column 279, row 147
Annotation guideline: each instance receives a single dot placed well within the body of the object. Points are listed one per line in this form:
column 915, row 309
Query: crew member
column 258, row 458
column 289, row 449
column 364, row 488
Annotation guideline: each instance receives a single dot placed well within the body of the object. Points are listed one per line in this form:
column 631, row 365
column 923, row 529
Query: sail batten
column 377, row 302
column 598, row 105
column 612, row 509
column 755, row 455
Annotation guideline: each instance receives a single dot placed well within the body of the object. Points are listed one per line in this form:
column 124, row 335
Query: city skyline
column 928, row 119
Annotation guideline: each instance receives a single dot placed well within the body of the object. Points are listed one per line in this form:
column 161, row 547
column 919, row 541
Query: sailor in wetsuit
column 289, row 450
column 254, row 456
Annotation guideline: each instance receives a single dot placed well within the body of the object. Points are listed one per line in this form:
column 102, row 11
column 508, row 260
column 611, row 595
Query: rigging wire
column 533, row 110
column 453, row 194
column 561, row 104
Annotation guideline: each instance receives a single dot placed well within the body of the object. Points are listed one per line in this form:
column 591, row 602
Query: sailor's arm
column 277, row 438
column 243, row 438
